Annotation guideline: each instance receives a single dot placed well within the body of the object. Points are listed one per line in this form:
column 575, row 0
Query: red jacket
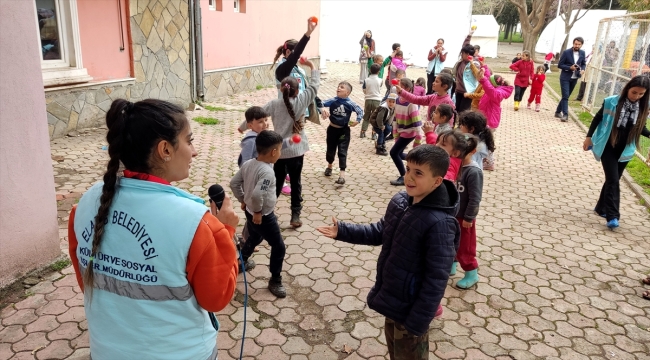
column 432, row 55
column 538, row 83
column 525, row 71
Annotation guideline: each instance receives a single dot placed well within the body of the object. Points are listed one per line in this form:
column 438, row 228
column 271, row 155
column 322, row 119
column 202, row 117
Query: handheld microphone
column 217, row 195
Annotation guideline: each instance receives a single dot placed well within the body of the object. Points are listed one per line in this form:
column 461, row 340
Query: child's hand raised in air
column 428, row 127
column 310, row 26
column 308, row 64
column 481, row 73
column 330, row 231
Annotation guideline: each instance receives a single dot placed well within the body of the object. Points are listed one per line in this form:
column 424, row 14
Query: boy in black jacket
column 339, row 109
column 419, row 237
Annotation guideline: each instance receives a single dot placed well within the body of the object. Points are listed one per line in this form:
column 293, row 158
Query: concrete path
column 555, row 283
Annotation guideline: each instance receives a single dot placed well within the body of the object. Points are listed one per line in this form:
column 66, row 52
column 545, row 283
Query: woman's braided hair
column 134, row 131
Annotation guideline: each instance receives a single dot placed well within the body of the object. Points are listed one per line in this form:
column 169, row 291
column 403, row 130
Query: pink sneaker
column 287, row 179
column 286, row 190
column 438, row 312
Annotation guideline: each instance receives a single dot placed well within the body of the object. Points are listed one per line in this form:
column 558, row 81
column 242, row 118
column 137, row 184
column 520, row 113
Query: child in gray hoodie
column 470, row 189
column 254, row 186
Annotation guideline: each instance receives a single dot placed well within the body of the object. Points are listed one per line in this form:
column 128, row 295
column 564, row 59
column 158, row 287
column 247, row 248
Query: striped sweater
column 407, row 117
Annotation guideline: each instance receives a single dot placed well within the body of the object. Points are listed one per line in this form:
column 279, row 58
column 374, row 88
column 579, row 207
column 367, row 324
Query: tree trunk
column 565, row 43
column 505, row 34
column 532, row 22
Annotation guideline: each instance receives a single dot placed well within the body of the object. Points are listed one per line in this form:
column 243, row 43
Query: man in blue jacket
column 572, row 64
column 419, row 237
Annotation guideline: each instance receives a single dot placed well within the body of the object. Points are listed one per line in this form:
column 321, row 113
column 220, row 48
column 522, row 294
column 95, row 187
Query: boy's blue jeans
column 381, row 134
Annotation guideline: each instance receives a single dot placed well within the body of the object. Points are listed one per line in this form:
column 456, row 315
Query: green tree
column 508, row 17
column 634, row 5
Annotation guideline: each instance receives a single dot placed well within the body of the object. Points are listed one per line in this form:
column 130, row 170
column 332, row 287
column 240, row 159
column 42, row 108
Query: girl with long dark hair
column 614, row 136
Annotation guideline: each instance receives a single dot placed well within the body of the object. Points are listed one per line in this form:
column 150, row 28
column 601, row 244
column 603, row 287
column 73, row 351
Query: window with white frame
column 59, row 43
column 237, row 6
column 213, row 4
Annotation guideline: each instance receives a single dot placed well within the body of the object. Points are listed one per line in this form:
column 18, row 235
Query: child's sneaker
column 516, row 105
column 374, row 135
column 286, row 189
column 276, row 288
column 381, row 150
column 537, row 107
column 328, row 171
column 340, row 181
column 528, row 106
column 362, row 135
column 249, row 265
column 390, row 137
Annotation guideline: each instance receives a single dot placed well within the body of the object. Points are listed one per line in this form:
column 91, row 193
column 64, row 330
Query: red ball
column 303, row 59
column 481, row 58
column 314, row 19
column 470, row 58
column 394, row 81
column 296, row 138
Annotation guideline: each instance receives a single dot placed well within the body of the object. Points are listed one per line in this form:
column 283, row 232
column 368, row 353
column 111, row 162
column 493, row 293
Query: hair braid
column 289, row 86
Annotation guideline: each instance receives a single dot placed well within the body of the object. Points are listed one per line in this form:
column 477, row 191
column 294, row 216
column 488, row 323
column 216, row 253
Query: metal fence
column 621, row 51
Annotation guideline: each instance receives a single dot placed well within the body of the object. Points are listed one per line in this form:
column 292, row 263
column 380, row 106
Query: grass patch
column 60, row 264
column 514, row 37
column 585, row 118
column 640, row 173
column 214, row 108
column 259, row 87
column 206, row 120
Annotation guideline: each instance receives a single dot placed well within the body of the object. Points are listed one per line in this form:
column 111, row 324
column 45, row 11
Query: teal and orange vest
column 142, row 306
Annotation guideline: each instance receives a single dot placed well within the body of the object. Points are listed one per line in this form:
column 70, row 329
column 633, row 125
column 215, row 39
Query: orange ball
column 314, row 19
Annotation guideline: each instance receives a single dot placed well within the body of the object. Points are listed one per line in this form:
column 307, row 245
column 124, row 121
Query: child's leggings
column 519, row 92
column 466, row 255
column 398, row 155
column 337, row 139
column 535, row 96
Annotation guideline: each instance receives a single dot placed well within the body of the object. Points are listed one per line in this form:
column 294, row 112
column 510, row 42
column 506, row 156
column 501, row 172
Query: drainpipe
column 192, row 52
column 198, row 49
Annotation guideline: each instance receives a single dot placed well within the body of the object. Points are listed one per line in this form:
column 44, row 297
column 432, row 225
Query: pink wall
column 29, row 236
column 233, row 39
column 99, row 29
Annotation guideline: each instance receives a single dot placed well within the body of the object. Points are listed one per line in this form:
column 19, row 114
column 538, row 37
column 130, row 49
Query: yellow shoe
column 516, row 105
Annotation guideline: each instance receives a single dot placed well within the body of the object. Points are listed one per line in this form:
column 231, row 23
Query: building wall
column 29, row 236
column 158, row 52
column 265, row 26
column 159, row 38
column 234, row 65
column 101, row 39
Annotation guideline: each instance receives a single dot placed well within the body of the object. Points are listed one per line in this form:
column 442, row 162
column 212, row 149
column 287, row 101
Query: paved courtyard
column 555, row 282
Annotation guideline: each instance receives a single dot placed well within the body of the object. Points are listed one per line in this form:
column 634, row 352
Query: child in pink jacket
column 440, row 95
column 496, row 90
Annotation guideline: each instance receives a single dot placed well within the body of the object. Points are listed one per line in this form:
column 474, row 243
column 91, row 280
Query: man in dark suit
column 572, row 64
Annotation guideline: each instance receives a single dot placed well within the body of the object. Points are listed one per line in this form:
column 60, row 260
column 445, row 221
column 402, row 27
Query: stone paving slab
column 555, row 283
